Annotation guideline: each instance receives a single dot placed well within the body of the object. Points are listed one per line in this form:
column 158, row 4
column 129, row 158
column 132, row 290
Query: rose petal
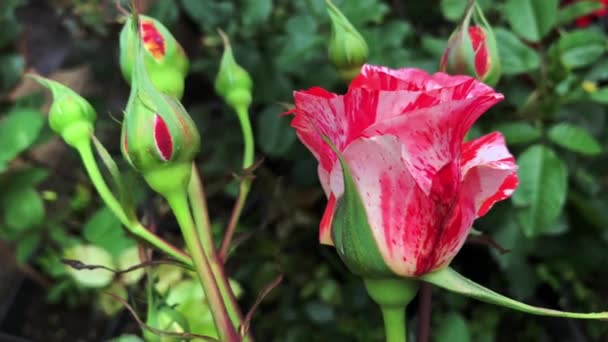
column 162, row 138
column 431, row 136
column 480, row 50
column 382, row 78
column 489, row 171
column 326, row 221
column 415, row 233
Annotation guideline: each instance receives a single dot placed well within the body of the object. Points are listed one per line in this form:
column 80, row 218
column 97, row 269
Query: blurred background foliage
column 555, row 228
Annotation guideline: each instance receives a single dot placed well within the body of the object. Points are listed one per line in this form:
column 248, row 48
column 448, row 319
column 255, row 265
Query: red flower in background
column 401, row 134
column 586, row 20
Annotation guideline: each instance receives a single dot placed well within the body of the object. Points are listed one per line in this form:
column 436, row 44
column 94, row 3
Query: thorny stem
column 248, row 149
column 136, row 228
column 196, row 193
column 178, row 201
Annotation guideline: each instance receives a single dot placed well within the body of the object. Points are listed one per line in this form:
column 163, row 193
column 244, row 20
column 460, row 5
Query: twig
column 265, row 291
column 424, row 312
column 79, row 265
column 154, row 330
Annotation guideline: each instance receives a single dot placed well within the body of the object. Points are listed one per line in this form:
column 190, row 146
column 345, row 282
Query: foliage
column 553, row 116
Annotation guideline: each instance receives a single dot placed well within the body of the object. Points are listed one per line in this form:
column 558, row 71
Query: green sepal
column 347, row 49
column 451, row 280
column 70, row 115
column 125, row 196
column 351, row 232
column 493, row 75
column 233, row 82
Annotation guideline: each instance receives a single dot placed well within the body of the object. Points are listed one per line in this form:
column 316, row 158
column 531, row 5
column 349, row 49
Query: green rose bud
column 159, row 138
column 348, row 50
column 472, row 50
column 165, row 60
column 233, row 82
column 70, row 115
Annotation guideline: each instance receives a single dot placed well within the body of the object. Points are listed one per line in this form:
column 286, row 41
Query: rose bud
column 70, row 115
column 233, row 82
column 157, row 133
column 471, row 49
column 348, row 50
column 165, row 60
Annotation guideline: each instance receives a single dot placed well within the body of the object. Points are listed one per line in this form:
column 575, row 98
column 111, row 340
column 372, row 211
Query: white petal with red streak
column 431, row 136
column 489, row 171
column 389, row 195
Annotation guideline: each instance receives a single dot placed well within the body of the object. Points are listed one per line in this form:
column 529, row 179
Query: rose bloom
column 401, row 133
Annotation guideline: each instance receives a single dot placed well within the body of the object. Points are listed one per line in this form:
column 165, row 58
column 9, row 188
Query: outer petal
column 432, row 136
column 326, row 221
column 415, row 233
column 382, row 78
column 489, row 171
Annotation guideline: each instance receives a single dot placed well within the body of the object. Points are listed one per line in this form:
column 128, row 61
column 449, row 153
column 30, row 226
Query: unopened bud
column 233, row 82
column 348, row 50
column 471, row 49
column 165, row 60
column 157, row 133
column 70, row 115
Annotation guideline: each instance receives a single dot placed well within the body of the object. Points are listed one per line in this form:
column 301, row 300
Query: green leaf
column 18, row 130
column 453, row 10
column 90, row 255
column 452, row 281
column 581, row 48
column 129, row 258
column 276, row 137
column 26, row 247
column 23, row 209
column 16, row 180
column 11, row 70
column 577, row 9
column 515, row 56
column 531, row 19
column 255, row 13
column 600, row 96
column 543, row 183
column 453, row 328
column 518, row 132
column 209, row 14
column 363, row 12
column 103, row 229
column 574, row 138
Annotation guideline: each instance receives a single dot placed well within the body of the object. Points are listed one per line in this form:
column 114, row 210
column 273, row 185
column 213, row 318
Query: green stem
column 248, row 144
column 394, row 324
column 200, row 212
column 178, row 201
column 393, row 295
column 245, row 185
column 136, row 228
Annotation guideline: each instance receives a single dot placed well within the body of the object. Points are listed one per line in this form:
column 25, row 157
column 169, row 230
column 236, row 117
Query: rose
column 400, row 135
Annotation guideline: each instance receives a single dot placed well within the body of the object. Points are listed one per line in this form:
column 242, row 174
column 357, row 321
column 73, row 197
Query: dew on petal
column 162, row 138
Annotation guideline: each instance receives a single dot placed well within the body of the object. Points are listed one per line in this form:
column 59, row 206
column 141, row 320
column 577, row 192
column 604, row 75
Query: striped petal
column 415, row 232
column 489, row 171
column 431, row 136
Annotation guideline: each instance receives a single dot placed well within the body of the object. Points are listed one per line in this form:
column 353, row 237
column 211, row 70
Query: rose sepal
column 351, row 232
